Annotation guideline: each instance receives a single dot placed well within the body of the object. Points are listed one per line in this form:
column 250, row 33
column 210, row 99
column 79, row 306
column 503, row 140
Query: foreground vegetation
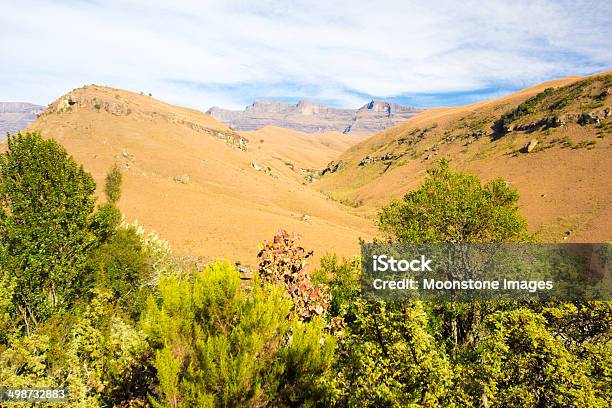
column 97, row 305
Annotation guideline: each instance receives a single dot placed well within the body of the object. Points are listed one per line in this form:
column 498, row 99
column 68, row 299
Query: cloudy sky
column 227, row 53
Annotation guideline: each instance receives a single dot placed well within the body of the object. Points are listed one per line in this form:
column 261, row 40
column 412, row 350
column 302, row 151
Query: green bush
column 112, row 185
column 105, row 222
column 98, row 355
column 342, row 280
column 389, row 358
column 108, row 217
column 7, row 323
column 531, row 105
column 121, row 265
column 523, row 363
column 217, row 345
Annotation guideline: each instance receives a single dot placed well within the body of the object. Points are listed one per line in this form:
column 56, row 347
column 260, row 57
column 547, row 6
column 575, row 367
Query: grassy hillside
column 552, row 142
column 207, row 189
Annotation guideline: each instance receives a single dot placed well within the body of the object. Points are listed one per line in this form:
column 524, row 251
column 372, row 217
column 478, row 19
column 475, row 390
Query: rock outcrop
column 528, row 148
column 332, row 167
column 310, row 117
column 182, row 179
column 15, row 116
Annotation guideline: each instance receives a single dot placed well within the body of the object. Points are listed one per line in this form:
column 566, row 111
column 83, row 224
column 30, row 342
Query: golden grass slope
column 564, row 183
column 309, row 150
column 227, row 206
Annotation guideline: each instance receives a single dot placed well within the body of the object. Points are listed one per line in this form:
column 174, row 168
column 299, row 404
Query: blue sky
column 228, row 53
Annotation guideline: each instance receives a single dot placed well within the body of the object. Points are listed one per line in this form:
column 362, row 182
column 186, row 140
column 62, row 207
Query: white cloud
column 339, row 51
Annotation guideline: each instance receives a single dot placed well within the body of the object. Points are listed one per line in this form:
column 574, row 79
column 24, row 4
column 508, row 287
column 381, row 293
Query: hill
column 552, row 142
column 15, row 116
column 309, row 117
column 207, row 189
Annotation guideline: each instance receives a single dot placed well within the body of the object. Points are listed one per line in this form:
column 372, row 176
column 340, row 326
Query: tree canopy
column 47, row 203
column 455, row 207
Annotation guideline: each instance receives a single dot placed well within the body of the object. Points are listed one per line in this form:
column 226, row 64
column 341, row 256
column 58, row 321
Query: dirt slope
column 564, row 182
column 237, row 192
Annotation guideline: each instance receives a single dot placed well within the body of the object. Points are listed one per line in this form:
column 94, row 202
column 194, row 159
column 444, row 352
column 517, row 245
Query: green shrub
column 121, row 265
column 7, row 316
column 112, row 185
column 217, row 345
column 99, row 356
column 342, row 279
column 389, row 358
column 531, row 105
column 105, row 222
column 522, row 363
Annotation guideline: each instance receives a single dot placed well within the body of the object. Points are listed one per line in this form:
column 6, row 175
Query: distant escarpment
column 15, row 116
column 310, row 117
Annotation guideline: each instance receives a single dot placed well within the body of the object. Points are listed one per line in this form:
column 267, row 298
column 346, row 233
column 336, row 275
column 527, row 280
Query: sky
column 343, row 53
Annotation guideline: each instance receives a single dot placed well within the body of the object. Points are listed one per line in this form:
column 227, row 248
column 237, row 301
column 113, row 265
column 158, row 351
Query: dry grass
column 558, row 181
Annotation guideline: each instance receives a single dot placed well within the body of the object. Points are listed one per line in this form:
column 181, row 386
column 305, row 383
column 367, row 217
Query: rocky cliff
column 15, row 116
column 310, row 117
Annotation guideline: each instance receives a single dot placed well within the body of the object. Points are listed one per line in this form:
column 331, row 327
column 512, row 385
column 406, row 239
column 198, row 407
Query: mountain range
column 14, row 116
column 309, row 117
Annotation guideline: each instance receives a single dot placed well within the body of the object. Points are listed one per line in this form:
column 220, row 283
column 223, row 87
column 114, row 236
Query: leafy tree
column 455, row 207
column 463, row 354
column 47, row 204
column 105, row 222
